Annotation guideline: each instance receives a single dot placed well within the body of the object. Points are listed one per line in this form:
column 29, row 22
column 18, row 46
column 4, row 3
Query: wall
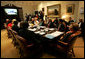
column 63, row 7
column 81, row 4
column 28, row 6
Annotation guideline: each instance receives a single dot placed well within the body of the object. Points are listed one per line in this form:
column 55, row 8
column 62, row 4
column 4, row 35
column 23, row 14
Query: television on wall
column 10, row 11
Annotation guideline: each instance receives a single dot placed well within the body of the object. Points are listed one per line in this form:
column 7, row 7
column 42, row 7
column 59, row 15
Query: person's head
column 74, row 27
column 60, row 20
column 80, row 20
column 32, row 19
column 36, row 14
column 15, row 22
column 24, row 24
column 56, row 18
column 70, row 18
column 7, row 20
column 50, row 20
column 40, row 20
column 10, row 21
column 36, row 18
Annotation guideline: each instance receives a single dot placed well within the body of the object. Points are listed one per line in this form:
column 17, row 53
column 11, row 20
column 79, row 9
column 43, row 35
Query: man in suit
column 50, row 24
column 56, row 23
column 61, row 26
column 70, row 21
column 25, row 33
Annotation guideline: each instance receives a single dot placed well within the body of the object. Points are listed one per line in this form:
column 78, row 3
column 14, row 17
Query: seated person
column 15, row 26
column 45, row 23
column 70, row 21
column 5, row 24
column 13, row 21
column 66, row 39
column 56, row 23
column 10, row 24
column 80, row 23
column 61, row 26
column 81, row 26
column 25, row 33
column 50, row 24
column 33, row 20
column 36, row 21
column 41, row 23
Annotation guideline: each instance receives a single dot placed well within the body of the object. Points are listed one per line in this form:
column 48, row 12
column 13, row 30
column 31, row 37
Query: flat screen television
column 10, row 11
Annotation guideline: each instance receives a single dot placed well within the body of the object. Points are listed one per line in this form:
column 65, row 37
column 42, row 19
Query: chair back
column 73, row 39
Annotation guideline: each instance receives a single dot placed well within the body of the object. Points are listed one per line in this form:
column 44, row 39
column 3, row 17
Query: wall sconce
column 64, row 16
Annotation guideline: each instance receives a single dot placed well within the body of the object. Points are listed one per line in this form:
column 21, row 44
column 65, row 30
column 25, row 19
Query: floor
column 9, row 51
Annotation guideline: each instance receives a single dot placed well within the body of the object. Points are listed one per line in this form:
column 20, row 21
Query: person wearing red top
column 37, row 15
column 9, row 24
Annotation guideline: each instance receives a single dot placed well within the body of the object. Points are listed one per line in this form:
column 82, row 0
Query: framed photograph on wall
column 70, row 9
column 54, row 10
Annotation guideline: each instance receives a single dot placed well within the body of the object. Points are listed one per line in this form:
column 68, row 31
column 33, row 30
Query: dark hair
column 75, row 27
column 60, row 20
column 9, row 21
column 24, row 24
column 15, row 22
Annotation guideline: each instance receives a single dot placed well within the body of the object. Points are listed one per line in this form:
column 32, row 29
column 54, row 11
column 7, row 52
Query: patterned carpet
column 9, row 51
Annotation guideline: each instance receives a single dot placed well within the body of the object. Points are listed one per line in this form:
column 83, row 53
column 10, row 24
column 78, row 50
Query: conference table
column 43, row 31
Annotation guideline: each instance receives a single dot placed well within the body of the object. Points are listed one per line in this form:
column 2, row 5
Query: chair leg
column 73, row 52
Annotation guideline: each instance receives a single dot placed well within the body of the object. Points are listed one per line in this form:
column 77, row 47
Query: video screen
column 11, row 11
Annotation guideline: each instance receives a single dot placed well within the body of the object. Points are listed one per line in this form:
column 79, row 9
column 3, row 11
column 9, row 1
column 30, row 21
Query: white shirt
column 36, row 22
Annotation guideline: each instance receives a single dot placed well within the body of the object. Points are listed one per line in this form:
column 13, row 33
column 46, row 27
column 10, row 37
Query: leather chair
column 26, row 49
column 70, row 45
column 67, row 49
column 9, row 33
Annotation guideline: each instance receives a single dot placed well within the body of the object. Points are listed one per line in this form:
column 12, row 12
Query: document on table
column 53, row 35
column 32, row 29
column 42, row 33
column 37, row 32
column 42, row 26
column 51, row 28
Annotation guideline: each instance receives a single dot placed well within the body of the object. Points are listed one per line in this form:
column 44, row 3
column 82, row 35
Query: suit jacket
column 28, row 35
column 15, row 28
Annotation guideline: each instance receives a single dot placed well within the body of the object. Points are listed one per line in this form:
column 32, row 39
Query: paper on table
column 51, row 28
column 37, row 32
column 42, row 33
column 49, row 36
column 53, row 35
column 42, row 26
column 32, row 29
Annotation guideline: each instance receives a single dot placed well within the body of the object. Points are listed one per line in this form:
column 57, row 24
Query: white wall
column 81, row 4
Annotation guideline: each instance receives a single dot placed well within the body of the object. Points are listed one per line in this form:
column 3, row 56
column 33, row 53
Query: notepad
column 53, row 35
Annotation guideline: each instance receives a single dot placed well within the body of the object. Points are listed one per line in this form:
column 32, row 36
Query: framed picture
column 54, row 10
column 70, row 9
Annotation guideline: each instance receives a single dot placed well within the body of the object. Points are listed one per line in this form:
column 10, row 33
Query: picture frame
column 54, row 10
column 70, row 9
